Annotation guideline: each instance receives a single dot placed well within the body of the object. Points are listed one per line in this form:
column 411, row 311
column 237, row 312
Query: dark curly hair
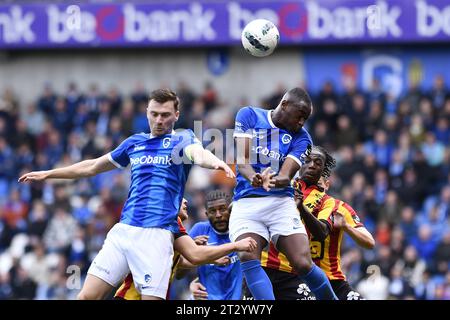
column 330, row 162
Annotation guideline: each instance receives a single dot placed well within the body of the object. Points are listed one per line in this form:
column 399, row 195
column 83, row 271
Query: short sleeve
column 326, row 211
column 182, row 230
column 350, row 215
column 187, row 139
column 119, row 156
column 301, row 148
column 244, row 123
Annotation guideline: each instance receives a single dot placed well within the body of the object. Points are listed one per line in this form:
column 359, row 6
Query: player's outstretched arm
column 205, row 159
column 318, row 228
column 86, row 168
column 208, row 254
column 359, row 234
column 285, row 176
column 243, row 162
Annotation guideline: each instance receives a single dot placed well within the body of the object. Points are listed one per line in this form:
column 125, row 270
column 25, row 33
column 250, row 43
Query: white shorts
column 146, row 252
column 269, row 217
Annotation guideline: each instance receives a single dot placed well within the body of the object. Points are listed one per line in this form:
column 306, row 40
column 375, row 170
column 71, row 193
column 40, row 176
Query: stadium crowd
column 393, row 167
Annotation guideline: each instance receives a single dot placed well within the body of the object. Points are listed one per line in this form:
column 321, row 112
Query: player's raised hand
column 198, row 291
column 298, row 194
column 223, row 166
column 201, row 240
column 268, row 179
column 33, row 176
column 257, row 180
column 248, row 244
column 338, row 220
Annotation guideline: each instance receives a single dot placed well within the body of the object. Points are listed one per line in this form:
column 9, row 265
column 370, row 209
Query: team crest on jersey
column 148, row 278
column 296, row 222
column 166, row 142
column 286, row 138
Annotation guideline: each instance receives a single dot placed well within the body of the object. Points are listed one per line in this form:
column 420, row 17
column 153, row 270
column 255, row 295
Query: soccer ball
column 260, row 37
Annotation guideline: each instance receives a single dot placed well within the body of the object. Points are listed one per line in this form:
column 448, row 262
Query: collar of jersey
column 152, row 136
column 269, row 118
column 220, row 233
column 312, row 186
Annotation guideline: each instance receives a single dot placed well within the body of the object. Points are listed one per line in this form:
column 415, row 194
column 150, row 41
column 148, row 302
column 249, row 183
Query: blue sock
column 257, row 280
column 319, row 284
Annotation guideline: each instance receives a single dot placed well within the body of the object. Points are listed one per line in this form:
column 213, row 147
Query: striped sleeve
column 351, row 217
column 326, row 211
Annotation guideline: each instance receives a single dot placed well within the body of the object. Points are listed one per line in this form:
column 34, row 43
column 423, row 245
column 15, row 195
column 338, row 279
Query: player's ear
column 177, row 115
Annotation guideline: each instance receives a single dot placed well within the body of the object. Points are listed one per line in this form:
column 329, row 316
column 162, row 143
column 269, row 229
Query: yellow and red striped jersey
column 326, row 253
column 316, row 200
column 127, row 291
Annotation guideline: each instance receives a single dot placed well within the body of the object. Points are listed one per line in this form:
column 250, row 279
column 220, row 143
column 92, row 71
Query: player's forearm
column 81, row 169
column 317, row 228
column 282, row 181
column 247, row 171
column 361, row 236
column 205, row 159
column 209, row 254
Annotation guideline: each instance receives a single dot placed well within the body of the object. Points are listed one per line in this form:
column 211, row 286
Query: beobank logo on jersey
column 151, row 160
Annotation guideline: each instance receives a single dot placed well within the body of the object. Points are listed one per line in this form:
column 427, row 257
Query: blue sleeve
column 196, row 231
column 301, row 148
column 245, row 122
column 119, row 156
column 187, row 138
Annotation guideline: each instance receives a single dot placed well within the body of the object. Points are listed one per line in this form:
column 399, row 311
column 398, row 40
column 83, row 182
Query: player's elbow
column 195, row 258
column 370, row 243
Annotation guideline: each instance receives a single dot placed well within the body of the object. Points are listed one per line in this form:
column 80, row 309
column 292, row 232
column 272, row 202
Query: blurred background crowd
column 393, row 167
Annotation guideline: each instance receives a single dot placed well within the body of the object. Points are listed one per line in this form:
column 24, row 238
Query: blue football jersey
column 158, row 176
column 221, row 282
column 270, row 148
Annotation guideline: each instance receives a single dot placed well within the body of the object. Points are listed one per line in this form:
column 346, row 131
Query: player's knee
column 84, row 295
column 303, row 265
column 247, row 256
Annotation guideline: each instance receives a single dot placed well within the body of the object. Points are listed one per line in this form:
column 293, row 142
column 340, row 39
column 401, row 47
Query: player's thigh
column 246, row 218
column 344, row 290
column 149, row 257
column 284, row 218
column 110, row 264
column 94, row 288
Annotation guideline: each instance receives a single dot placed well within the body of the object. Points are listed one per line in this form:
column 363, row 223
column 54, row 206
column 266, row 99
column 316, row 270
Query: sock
column 257, row 280
column 319, row 284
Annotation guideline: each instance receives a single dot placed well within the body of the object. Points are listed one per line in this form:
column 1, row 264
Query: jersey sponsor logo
column 268, row 153
column 138, row 148
column 166, row 142
column 163, row 160
column 286, row 138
